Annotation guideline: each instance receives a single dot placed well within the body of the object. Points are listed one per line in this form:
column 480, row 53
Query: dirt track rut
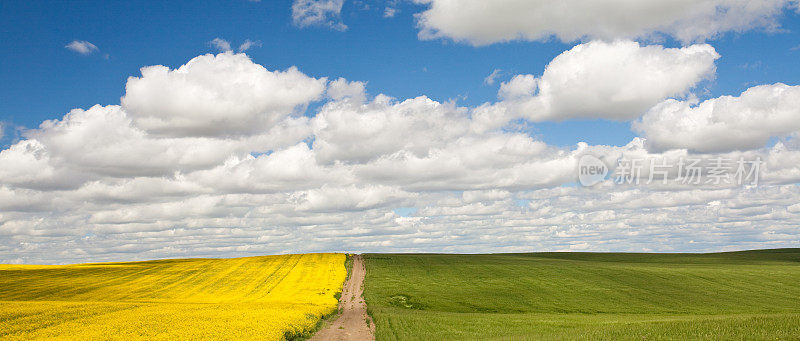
column 351, row 324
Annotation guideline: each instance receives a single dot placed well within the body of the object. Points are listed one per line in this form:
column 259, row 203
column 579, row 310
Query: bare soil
column 353, row 323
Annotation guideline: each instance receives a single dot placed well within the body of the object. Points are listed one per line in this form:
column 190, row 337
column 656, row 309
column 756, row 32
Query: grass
column 268, row 298
column 739, row 295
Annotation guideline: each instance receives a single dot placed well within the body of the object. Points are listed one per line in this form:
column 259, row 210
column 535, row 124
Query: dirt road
column 352, row 322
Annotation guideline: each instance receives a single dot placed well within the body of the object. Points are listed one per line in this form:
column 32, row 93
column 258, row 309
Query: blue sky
column 43, row 80
column 206, row 152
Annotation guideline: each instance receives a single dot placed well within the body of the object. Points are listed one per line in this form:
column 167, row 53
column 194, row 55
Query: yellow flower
column 251, row 298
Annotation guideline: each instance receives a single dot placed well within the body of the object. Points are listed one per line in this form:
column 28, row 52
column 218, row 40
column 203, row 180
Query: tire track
column 352, row 321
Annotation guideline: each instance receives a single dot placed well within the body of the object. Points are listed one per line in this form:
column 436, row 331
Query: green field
column 738, row 295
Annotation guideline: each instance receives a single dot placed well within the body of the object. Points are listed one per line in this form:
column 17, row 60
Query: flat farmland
column 268, row 298
column 737, row 295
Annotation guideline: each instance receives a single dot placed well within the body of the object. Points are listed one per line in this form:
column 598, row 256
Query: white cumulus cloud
column 617, row 80
column 222, row 95
column 724, row 123
column 481, row 22
column 209, row 160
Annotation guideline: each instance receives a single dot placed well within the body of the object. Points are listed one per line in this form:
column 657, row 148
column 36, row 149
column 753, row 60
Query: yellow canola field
column 240, row 298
